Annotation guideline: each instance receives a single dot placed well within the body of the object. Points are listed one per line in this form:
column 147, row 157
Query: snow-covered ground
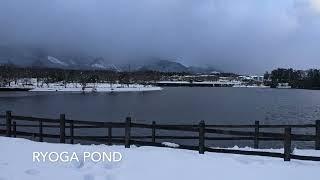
column 98, row 87
column 250, row 86
column 147, row 163
column 39, row 86
column 233, row 83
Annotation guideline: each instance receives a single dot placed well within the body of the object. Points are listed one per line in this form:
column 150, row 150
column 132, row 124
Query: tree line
column 302, row 79
column 10, row 73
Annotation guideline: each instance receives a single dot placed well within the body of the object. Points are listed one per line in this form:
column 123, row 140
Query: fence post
column 71, row 132
column 8, row 123
column 201, row 137
column 256, row 135
column 317, row 142
column 62, row 128
column 14, row 129
column 287, row 144
column 109, row 135
column 127, row 132
column 40, row 131
column 153, row 131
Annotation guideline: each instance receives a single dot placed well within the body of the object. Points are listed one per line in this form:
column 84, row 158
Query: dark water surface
column 174, row 106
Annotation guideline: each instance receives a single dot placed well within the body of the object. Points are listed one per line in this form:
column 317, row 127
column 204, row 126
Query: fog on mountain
column 241, row 36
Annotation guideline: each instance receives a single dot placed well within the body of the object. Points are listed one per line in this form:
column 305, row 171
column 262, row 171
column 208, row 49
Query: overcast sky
column 233, row 35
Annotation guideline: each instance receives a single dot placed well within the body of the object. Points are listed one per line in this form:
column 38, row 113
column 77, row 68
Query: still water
column 179, row 105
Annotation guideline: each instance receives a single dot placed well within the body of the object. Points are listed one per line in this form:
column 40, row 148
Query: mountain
column 64, row 62
column 56, row 61
column 49, row 62
column 100, row 63
column 41, row 57
column 165, row 66
column 203, row 69
column 4, row 61
column 171, row 66
column 17, row 56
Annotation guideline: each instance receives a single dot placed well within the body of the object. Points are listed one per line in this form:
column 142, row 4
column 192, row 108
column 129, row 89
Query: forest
column 302, row 79
column 9, row 73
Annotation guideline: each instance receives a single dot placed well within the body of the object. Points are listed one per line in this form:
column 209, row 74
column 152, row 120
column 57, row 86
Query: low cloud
column 240, row 36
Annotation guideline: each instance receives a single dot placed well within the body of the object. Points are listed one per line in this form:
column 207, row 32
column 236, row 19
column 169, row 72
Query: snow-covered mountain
column 165, row 66
column 99, row 63
column 56, row 61
column 50, row 62
column 98, row 66
column 39, row 57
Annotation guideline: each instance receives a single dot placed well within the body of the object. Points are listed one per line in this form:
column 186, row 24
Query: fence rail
column 256, row 135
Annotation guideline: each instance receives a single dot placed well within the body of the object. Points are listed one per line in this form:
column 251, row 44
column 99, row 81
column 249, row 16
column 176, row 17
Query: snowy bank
column 120, row 89
column 145, row 163
column 98, row 87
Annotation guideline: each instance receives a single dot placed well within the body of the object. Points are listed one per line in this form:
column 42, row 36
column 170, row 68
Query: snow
column 98, row 87
column 56, row 61
column 303, row 152
column 40, row 86
column 233, row 82
column 145, row 163
column 100, row 66
column 105, row 89
column 170, row 144
column 115, row 67
column 250, row 86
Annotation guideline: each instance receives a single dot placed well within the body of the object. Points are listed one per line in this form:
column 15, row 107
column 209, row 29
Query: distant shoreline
column 88, row 88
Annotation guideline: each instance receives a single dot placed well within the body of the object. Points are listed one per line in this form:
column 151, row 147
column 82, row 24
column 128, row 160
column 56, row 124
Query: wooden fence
column 63, row 124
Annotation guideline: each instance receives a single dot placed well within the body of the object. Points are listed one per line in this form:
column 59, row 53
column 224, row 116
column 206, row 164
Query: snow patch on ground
column 97, row 87
column 170, row 144
column 90, row 89
column 145, row 163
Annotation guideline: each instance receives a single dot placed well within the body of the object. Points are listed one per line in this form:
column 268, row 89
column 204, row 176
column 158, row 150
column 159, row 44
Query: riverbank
column 97, row 88
column 12, row 88
column 233, row 83
column 76, row 87
column 146, row 163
